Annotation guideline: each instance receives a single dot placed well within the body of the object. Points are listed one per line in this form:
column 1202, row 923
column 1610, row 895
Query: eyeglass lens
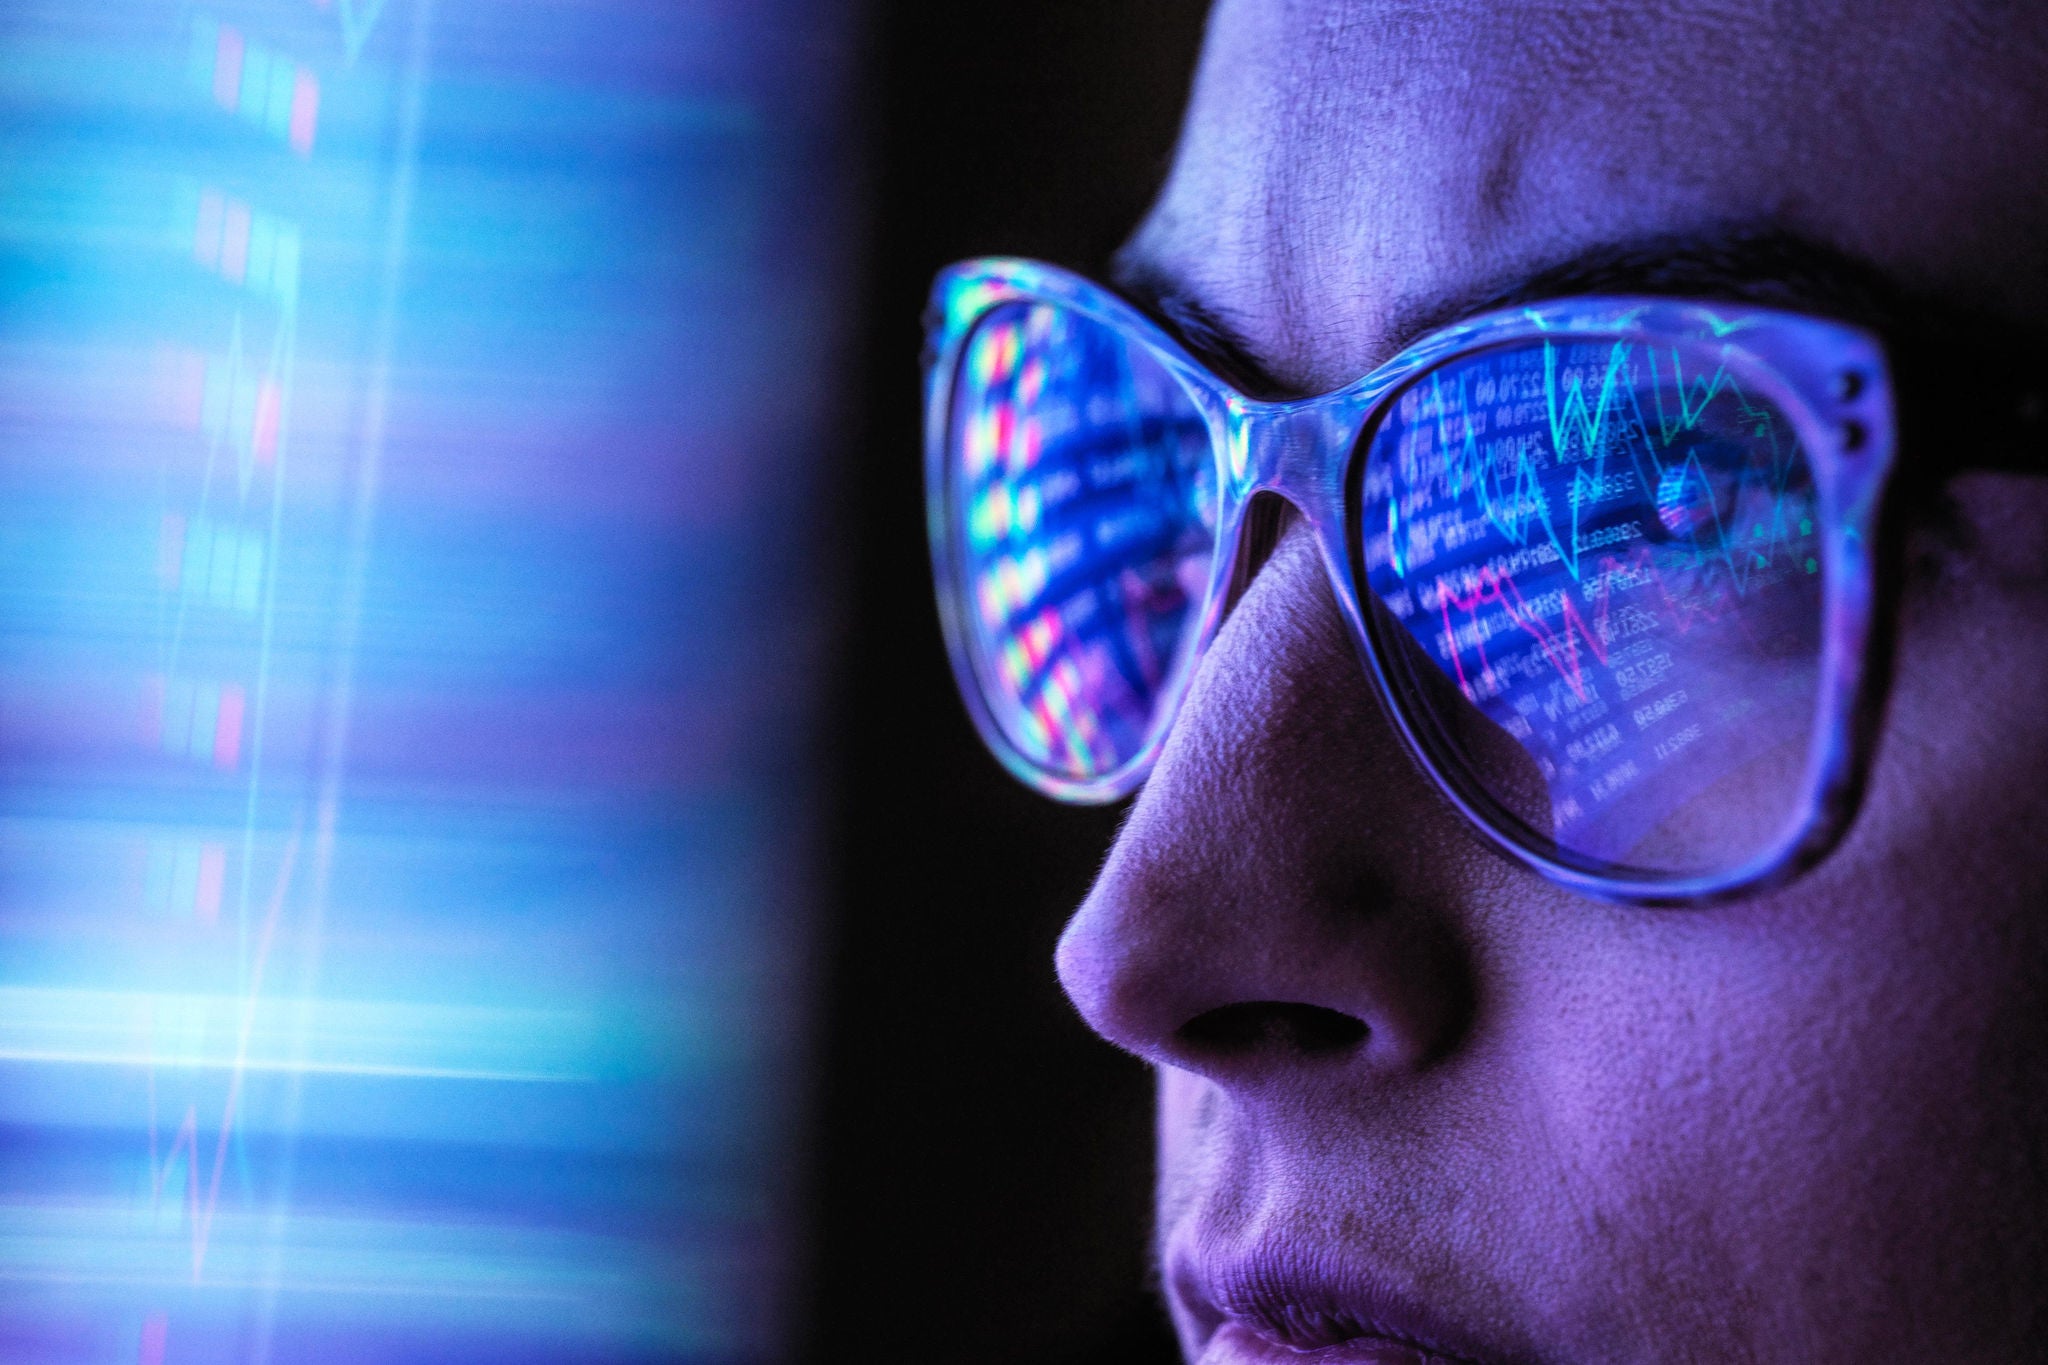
column 1592, row 566
column 1604, row 564
column 1083, row 495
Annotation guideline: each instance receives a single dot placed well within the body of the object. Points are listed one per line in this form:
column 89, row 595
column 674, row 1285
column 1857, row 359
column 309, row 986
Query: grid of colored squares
column 218, row 566
column 183, row 878
column 261, row 85
column 224, row 398
column 197, row 720
column 256, row 250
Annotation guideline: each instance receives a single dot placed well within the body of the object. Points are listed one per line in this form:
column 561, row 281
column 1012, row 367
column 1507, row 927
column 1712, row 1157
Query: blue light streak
column 410, row 420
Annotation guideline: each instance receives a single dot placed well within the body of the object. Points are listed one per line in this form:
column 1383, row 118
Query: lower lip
column 1235, row 1344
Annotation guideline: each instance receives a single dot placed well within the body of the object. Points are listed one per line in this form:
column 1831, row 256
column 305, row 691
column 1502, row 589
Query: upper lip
column 1305, row 1299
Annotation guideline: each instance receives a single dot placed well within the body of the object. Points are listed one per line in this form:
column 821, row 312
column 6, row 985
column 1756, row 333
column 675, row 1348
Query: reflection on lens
column 1082, row 495
column 1607, row 550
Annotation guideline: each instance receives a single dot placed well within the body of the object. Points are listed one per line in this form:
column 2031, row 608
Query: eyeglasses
column 1608, row 562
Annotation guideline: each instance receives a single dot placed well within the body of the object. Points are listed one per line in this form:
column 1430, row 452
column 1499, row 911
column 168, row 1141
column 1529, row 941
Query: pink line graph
column 1560, row 645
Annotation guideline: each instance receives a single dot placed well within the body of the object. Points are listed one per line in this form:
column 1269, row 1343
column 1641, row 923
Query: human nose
column 1286, row 886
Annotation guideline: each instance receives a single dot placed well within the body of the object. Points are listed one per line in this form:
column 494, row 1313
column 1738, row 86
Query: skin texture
column 1396, row 1069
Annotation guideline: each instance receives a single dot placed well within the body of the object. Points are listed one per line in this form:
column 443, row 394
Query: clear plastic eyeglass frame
column 1829, row 378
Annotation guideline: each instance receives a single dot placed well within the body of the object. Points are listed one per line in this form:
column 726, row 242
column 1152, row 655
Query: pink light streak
column 263, row 435
column 156, row 1331
column 1560, row 646
column 305, row 110
column 213, row 871
column 227, row 68
column 227, row 728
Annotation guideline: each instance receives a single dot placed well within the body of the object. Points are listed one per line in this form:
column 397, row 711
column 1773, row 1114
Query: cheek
column 1691, row 1111
column 1958, row 782
column 1663, row 1093
column 1893, row 963
column 1179, row 1126
column 1826, row 1102
column 1186, row 1106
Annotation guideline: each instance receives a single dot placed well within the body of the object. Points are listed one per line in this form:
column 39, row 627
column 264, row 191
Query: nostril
column 1271, row 1026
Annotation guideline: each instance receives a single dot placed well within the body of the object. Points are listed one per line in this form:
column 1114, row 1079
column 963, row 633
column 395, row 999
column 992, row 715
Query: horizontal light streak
column 320, row 1036
column 141, row 1059
column 549, row 1283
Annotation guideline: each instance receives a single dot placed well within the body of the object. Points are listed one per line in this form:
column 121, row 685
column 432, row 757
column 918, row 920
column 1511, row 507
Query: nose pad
column 1281, row 892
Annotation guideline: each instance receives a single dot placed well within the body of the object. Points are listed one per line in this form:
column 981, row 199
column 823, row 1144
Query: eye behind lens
column 1602, row 559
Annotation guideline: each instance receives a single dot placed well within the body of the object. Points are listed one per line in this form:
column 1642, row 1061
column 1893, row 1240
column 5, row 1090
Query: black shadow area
column 982, row 1164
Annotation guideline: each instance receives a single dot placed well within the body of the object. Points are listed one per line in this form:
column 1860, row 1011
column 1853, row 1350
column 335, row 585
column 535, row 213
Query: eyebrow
column 1763, row 267
column 1942, row 345
column 1760, row 266
column 1206, row 334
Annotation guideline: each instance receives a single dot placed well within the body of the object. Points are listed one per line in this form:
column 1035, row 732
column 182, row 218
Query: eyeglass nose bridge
column 1300, row 451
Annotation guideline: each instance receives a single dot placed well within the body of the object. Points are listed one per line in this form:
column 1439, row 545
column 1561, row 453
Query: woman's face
column 1411, row 1091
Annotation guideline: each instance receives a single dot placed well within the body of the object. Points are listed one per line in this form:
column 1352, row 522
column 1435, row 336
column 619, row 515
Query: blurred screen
column 412, row 426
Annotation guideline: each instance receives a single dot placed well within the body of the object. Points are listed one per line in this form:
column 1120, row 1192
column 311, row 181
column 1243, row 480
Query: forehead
column 1351, row 166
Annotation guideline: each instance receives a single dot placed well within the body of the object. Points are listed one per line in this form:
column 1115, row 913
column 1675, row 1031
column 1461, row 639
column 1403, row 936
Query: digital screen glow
column 408, row 641
column 1610, row 550
column 1086, row 488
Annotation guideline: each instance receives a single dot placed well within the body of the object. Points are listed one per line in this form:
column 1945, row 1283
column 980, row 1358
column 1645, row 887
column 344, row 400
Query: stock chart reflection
column 1608, row 552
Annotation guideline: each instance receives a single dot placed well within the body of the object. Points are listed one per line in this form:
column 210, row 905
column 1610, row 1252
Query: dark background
column 982, row 1163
